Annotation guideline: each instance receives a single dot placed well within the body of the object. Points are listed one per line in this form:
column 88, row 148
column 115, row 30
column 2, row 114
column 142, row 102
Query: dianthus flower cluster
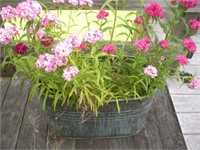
column 50, row 62
column 188, row 3
column 182, row 60
column 138, row 20
column 195, row 83
column 92, row 36
column 109, row 48
column 7, row 33
column 81, row 2
column 189, row 45
column 163, row 43
column 102, row 14
column 195, row 24
column 21, row 48
column 70, row 72
column 143, row 44
column 49, row 19
column 154, row 10
column 151, row 71
column 8, row 13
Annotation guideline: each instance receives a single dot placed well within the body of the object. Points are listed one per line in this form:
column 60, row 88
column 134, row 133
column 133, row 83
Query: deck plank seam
column 5, row 94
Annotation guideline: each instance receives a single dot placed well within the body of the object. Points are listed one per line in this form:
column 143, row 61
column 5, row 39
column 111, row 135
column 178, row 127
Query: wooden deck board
column 3, row 86
column 24, row 127
column 12, row 112
column 34, row 125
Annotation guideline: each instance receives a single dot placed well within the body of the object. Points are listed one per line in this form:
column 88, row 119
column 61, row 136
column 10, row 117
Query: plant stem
column 115, row 19
column 86, row 16
column 69, row 22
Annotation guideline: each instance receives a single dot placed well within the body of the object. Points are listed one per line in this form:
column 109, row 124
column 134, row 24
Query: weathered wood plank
column 33, row 131
column 4, row 83
column 189, row 122
column 177, row 88
column 186, row 103
column 167, row 122
column 192, row 141
column 55, row 142
column 12, row 112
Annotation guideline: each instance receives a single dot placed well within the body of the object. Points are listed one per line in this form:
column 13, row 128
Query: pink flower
column 21, row 48
column 102, row 14
column 40, row 33
column 73, row 2
column 12, row 30
column 86, row 2
column 5, row 37
column 195, row 24
column 151, row 71
column 50, row 62
column 62, row 48
column 182, row 60
column 28, row 9
column 173, row 2
column 47, row 40
column 92, row 36
column 190, row 45
column 162, row 58
column 143, row 44
column 7, row 13
column 58, row 1
column 195, row 83
column 7, row 33
column 138, row 20
column 188, row 3
column 49, row 19
column 109, row 48
column 163, row 43
column 154, row 10
column 75, row 40
column 82, row 47
column 69, row 72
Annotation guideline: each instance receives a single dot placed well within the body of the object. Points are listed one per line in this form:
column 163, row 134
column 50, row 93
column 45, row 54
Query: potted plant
column 90, row 83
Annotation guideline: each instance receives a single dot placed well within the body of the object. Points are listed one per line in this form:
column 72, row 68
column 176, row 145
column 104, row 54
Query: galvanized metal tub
column 109, row 123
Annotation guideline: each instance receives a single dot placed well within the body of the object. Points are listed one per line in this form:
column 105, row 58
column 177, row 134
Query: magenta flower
column 62, row 48
column 109, row 48
column 102, row 14
column 47, row 40
column 173, row 2
column 163, row 43
column 151, row 71
column 154, row 10
column 189, row 45
column 82, row 47
column 70, row 72
column 195, row 24
column 21, row 48
column 28, row 9
column 8, row 13
column 92, row 36
column 182, row 60
column 58, row 1
column 195, row 83
column 143, row 44
column 138, row 20
column 73, row 2
column 86, row 2
column 188, row 3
